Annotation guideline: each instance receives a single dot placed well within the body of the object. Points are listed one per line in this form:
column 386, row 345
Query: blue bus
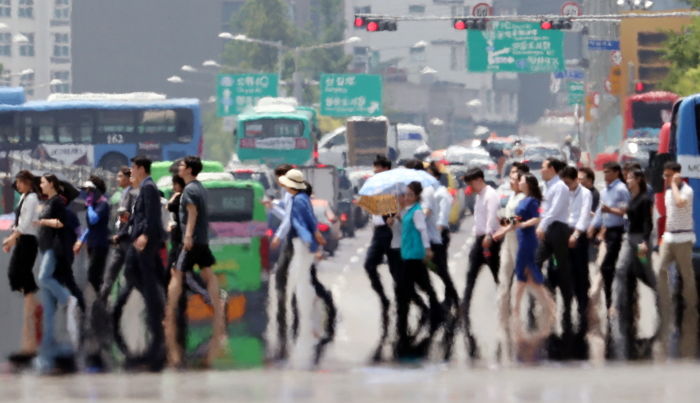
column 102, row 131
column 683, row 145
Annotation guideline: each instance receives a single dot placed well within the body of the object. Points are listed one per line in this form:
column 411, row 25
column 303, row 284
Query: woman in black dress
column 23, row 244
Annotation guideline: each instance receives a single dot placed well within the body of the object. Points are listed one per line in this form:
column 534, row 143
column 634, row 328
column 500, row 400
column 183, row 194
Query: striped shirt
column 679, row 220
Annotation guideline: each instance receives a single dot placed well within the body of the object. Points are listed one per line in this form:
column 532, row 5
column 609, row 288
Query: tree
column 682, row 49
column 218, row 144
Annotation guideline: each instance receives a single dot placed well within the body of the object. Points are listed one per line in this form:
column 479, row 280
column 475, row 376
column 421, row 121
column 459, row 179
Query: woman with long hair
column 52, row 292
column 633, row 263
column 528, row 274
column 23, row 244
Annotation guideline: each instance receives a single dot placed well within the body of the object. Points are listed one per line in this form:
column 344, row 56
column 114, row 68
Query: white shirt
column 285, row 207
column 679, row 220
column 509, row 210
column 444, row 202
column 396, row 233
column 580, row 211
column 430, row 207
column 486, row 212
column 378, row 220
column 421, row 225
column 556, row 203
column 28, row 214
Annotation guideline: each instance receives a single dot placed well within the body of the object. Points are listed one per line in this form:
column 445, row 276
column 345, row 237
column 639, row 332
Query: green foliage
column 218, row 143
column 683, row 51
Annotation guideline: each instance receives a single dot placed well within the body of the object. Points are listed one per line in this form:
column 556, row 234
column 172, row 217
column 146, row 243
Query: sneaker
column 72, row 321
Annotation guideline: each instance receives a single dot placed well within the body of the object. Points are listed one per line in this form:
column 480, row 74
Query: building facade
column 35, row 46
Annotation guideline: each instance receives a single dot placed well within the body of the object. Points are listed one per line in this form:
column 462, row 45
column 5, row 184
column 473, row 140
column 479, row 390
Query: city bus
column 98, row 130
column 681, row 142
column 276, row 131
column 237, row 231
column 645, row 113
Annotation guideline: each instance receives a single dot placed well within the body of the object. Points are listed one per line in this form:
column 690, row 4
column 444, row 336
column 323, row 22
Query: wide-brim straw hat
column 293, row 179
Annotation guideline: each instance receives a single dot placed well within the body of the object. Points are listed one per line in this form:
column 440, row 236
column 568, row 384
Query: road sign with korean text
column 235, row 92
column 520, row 47
column 351, row 95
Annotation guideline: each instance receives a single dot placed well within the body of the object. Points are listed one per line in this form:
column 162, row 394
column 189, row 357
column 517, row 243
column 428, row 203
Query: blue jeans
column 51, row 293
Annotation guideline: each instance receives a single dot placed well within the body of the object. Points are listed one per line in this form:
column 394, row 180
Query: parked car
column 534, row 155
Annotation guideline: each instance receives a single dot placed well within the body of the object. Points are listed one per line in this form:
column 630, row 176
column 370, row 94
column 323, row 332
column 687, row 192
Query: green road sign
column 577, row 90
column 520, row 47
column 235, row 92
column 351, row 95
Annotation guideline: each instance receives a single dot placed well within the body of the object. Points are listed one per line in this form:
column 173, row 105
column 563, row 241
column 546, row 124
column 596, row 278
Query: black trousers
column 143, row 272
column 613, row 244
column 413, row 273
column 380, row 247
column 281, row 276
column 97, row 259
column 440, row 261
column 579, row 267
column 114, row 268
column 476, row 260
column 559, row 274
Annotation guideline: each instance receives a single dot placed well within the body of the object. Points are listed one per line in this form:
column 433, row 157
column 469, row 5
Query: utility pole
column 597, row 124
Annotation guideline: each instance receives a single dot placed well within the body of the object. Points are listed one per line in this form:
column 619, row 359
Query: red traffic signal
column 359, row 22
column 639, row 87
column 558, row 24
column 381, row 25
column 461, row 24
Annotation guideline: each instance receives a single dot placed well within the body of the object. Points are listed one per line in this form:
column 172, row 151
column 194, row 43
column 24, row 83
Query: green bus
column 276, row 131
column 237, row 221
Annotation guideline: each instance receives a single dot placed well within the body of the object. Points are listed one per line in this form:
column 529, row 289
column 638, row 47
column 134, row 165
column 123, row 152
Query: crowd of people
column 544, row 240
column 45, row 225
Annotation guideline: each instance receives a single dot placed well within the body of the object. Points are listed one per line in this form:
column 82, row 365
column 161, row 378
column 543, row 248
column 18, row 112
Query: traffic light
column 360, row 22
column 381, row 25
column 461, row 24
column 639, row 87
column 556, row 24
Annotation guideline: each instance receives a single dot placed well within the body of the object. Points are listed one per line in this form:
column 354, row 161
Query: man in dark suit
column 143, row 270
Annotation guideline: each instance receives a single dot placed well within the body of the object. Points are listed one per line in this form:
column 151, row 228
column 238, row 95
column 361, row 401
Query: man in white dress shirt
column 553, row 234
column 579, row 220
column 485, row 249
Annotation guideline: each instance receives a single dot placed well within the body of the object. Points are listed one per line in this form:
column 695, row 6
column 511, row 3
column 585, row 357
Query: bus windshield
column 650, row 114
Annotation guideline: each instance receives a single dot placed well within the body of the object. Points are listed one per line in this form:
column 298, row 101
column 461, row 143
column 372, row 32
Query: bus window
column 74, row 126
column 113, row 126
column 274, row 128
column 7, row 128
column 651, row 114
column 40, row 126
column 155, row 124
column 184, row 125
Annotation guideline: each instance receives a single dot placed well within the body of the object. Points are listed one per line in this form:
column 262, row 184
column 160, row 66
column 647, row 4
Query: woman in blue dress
column 529, row 275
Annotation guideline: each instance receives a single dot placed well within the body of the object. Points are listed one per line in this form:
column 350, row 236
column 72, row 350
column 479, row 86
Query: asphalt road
column 347, row 371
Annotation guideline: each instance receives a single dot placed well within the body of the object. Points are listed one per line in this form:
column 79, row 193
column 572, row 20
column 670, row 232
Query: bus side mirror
column 656, row 171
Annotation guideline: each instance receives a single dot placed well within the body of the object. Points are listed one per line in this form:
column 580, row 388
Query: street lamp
column 210, row 63
column 188, row 68
column 282, row 48
column 175, row 79
column 636, row 4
